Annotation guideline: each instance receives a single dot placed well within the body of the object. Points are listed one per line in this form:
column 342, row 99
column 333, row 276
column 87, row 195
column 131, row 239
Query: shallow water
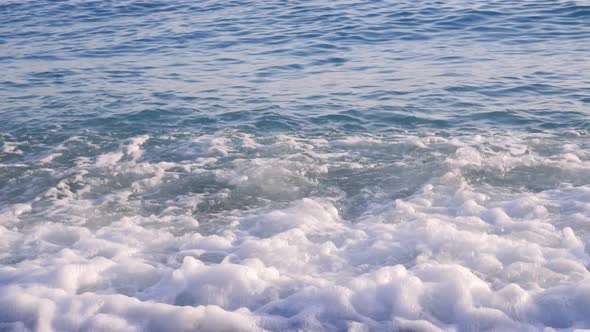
column 318, row 165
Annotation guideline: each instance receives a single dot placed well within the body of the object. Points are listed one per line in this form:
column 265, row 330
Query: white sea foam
column 130, row 243
column 10, row 148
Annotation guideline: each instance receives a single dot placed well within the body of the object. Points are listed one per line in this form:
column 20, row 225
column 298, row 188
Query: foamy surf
column 128, row 241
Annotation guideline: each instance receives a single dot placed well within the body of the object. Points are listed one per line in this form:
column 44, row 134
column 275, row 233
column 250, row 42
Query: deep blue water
column 218, row 112
column 125, row 67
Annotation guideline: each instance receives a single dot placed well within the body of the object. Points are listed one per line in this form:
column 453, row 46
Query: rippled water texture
column 294, row 166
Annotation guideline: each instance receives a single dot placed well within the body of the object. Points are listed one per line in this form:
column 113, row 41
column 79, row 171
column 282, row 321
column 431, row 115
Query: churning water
column 294, row 165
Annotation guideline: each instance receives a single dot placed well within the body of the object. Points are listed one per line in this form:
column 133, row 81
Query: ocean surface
column 294, row 165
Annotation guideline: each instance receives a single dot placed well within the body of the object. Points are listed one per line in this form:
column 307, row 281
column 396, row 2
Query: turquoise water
column 294, row 165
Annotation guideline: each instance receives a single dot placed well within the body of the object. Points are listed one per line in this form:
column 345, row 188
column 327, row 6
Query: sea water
column 294, row 165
